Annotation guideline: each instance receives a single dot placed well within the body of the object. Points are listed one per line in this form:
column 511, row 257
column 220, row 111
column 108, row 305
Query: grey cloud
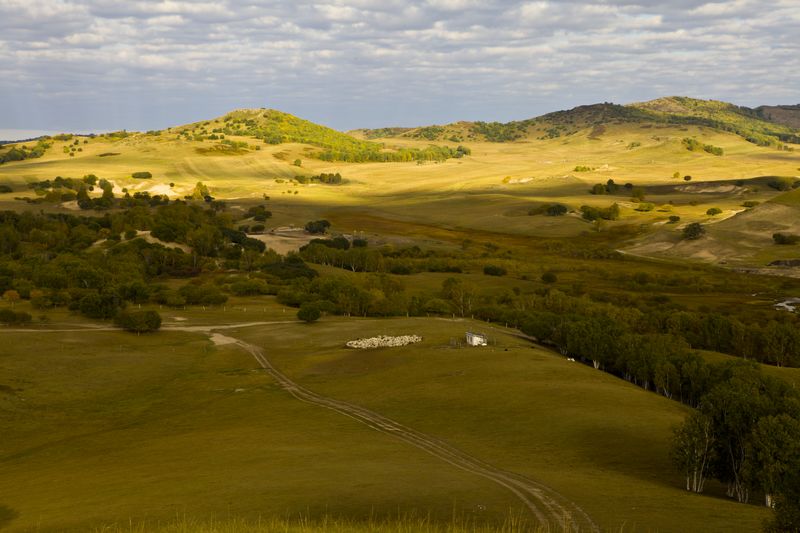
column 149, row 63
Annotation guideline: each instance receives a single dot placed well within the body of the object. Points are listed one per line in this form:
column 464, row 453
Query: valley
column 621, row 260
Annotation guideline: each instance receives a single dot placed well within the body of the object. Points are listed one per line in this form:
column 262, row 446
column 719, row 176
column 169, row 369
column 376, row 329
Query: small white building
column 476, row 339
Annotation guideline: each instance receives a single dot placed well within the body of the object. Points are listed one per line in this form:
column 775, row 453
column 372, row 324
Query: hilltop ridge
column 765, row 126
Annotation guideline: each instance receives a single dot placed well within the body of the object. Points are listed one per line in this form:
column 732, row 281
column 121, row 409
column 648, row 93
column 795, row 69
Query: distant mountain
column 788, row 115
column 762, row 126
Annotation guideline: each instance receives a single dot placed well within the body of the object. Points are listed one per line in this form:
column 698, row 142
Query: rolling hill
column 755, row 125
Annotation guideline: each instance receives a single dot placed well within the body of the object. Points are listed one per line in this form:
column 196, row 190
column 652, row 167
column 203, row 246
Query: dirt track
column 550, row 508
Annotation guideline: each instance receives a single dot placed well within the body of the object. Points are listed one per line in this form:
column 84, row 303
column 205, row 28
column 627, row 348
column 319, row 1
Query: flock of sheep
column 384, row 341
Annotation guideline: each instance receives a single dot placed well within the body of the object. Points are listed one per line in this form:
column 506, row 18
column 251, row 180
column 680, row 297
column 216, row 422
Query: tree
column 713, row 211
column 11, row 296
column 460, row 295
column 556, row 210
column 494, row 270
column 693, row 231
column 637, row 193
column 138, row 321
column 785, row 238
column 674, row 219
column 316, row 227
column 549, row 277
column 309, row 312
column 693, row 450
column 775, row 449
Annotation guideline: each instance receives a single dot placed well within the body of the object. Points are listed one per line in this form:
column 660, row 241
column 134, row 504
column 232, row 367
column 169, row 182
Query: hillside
column 754, row 125
column 275, row 127
column 745, row 122
column 788, row 115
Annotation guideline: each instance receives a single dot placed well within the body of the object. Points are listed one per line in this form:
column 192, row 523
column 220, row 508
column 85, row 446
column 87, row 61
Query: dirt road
column 550, row 508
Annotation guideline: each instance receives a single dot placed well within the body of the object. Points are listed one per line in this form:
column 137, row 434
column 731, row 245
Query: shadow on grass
column 7, row 515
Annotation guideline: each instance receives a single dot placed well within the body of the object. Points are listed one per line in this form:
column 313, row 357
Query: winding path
column 549, row 507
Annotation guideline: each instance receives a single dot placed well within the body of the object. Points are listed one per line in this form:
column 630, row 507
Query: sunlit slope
column 763, row 126
column 492, row 189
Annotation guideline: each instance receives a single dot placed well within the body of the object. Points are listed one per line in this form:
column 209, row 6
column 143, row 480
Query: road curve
column 550, row 509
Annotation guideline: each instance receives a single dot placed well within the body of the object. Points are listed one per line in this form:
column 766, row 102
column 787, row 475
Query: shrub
column 781, row 183
column 673, row 219
column 141, row 175
column 693, row 231
column 750, row 203
column 549, row 277
column 138, row 321
column 785, row 238
column 494, row 270
column 309, row 312
column 713, row 211
column 555, row 210
column 591, row 213
column 317, row 226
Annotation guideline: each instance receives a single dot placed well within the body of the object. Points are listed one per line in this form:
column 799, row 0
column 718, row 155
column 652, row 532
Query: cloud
column 150, row 63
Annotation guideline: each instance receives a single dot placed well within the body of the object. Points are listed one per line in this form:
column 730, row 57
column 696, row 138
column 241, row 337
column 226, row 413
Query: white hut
column 476, row 339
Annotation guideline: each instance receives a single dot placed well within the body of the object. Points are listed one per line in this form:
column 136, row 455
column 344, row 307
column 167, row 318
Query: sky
column 99, row 65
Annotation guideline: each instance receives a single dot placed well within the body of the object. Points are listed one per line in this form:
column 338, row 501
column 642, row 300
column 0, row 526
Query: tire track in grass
column 550, row 508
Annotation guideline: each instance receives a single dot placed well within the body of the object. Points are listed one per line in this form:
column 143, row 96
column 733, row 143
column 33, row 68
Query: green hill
column 754, row 125
column 743, row 121
column 276, row 127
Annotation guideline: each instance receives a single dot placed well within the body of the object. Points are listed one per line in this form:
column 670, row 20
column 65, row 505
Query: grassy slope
column 497, row 185
column 105, row 427
column 153, row 426
column 598, row 441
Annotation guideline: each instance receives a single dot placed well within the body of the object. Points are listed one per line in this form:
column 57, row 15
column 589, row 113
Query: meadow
column 104, row 430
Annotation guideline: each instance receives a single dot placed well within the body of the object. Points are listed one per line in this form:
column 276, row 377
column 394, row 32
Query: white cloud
column 372, row 62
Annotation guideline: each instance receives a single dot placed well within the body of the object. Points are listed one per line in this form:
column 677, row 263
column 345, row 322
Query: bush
column 782, row 183
column 693, row 231
column 141, row 175
column 7, row 316
column 95, row 305
column 785, row 238
column 138, row 321
column 606, row 213
column 713, row 211
column 556, row 210
column 750, row 203
column 317, row 227
column 549, row 277
column 494, row 270
column 309, row 312
column 673, row 219
column 5, row 189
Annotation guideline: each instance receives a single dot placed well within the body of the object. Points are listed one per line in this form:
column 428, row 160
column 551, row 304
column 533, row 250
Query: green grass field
column 104, row 428
column 108, row 431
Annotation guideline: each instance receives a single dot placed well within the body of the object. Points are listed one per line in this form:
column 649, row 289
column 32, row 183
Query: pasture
column 103, row 427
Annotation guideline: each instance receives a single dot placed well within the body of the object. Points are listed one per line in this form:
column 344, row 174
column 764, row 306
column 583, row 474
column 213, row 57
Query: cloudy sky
column 143, row 64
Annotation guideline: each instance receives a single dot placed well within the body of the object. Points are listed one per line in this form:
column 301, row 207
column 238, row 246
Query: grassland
column 104, row 427
column 170, row 432
column 497, row 185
